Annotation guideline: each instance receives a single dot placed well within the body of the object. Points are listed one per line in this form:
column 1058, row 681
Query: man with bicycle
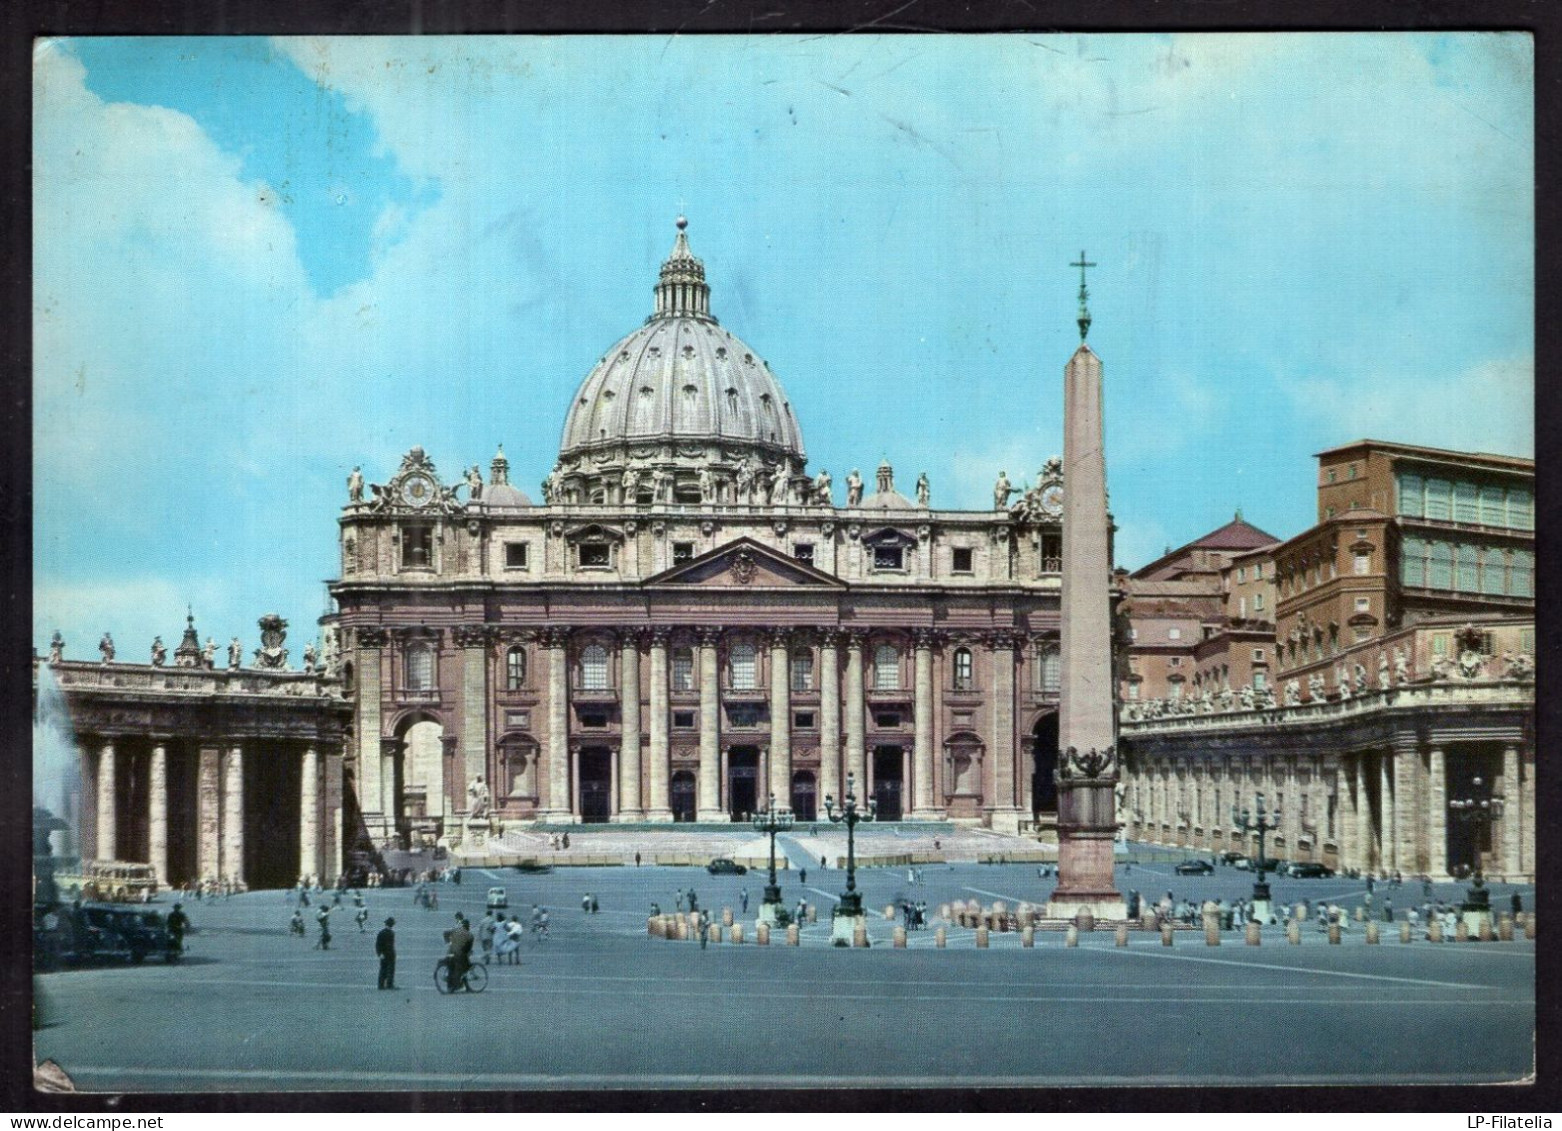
column 460, row 952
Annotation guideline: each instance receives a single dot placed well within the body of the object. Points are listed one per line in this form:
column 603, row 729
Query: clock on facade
column 1052, row 499
column 417, row 490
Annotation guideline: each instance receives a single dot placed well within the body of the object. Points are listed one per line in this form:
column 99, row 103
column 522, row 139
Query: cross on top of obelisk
column 1084, row 296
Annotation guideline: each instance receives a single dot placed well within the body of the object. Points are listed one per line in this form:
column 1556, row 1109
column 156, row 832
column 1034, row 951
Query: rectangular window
column 1051, row 552
column 683, row 669
column 744, row 714
column 683, row 720
column 1258, row 655
column 1466, row 504
column 516, row 555
column 593, row 668
column 1174, row 634
column 887, row 720
column 1521, row 510
column 593, row 719
column 1411, row 495
column 594, row 555
column 888, row 557
column 1241, row 606
column 803, row 720
column 417, row 547
column 1241, row 573
column 1258, row 571
column 1521, row 575
column 1133, row 691
column 1469, row 570
column 1412, row 562
column 1333, row 475
column 1363, row 604
column 1494, row 511
column 420, row 668
column 1527, row 641
column 1363, row 564
column 804, row 552
column 1493, row 572
column 962, row 559
column 1258, row 602
column 682, row 552
column 1361, row 633
column 745, row 667
column 1260, row 680
column 1439, row 499
column 802, row 671
column 1440, row 571
column 1440, row 644
column 1352, row 471
column 517, row 720
column 1174, row 661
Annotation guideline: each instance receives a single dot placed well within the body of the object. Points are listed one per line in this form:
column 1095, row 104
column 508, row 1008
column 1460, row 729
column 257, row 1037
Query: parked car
column 722, row 866
column 497, row 899
column 1310, row 871
column 1232, row 857
column 1194, row 868
column 1248, row 864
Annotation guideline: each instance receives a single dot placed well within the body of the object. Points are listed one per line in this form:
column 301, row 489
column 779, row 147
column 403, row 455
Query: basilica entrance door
column 805, row 804
column 888, row 771
column 680, row 798
column 596, row 785
column 1044, row 763
column 742, row 781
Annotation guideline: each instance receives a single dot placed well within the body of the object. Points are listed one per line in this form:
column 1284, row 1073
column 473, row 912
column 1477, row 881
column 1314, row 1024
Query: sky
column 260, row 263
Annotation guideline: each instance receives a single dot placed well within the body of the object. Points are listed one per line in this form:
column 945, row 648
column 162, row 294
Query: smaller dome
column 502, row 496
column 885, row 501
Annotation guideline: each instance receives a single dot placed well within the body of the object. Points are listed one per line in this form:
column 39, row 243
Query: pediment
column 746, row 564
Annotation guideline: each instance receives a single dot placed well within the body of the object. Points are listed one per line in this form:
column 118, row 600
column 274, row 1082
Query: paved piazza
column 599, row 1004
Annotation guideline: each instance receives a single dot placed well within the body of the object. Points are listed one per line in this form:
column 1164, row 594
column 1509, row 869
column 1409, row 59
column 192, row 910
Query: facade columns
column 657, row 808
column 1387, row 813
column 856, row 711
column 1364, row 832
column 1343, row 818
column 208, row 804
column 1526, row 788
column 629, row 804
column 922, row 756
column 1005, row 814
column 709, row 802
column 108, row 827
column 780, row 718
column 829, row 716
column 555, row 753
column 1511, row 825
column 232, row 866
column 157, row 815
column 1437, row 813
column 309, row 815
column 1406, row 809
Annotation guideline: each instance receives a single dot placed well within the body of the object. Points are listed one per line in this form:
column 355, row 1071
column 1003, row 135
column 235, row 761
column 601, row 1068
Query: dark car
column 1310, row 871
column 1247, row 864
column 1232, row 857
column 722, row 866
column 1194, row 868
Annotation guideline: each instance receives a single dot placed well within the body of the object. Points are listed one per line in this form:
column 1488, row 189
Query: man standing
column 385, row 947
column 178, row 923
column 323, row 917
column 743, row 899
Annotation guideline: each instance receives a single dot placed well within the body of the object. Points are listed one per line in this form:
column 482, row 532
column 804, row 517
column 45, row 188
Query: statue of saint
column 1001, row 491
column 661, row 485
column 823, row 488
column 1315, row 687
column 159, row 652
column 1385, row 680
column 924, row 490
column 477, row 797
column 309, row 656
column 744, row 482
column 474, row 484
column 56, row 647
column 106, row 646
column 235, row 654
column 1293, row 693
column 1401, row 666
column 1247, row 698
column 779, row 484
column 1361, row 678
column 209, row 653
column 547, row 489
column 707, row 485
column 355, row 486
column 631, row 486
column 854, row 489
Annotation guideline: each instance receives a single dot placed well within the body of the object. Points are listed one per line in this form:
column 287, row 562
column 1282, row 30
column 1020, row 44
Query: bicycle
column 475, row 980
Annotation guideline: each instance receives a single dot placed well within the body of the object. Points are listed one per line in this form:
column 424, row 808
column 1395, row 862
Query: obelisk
column 1087, row 725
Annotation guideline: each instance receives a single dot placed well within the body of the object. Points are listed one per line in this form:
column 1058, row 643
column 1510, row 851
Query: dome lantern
column 681, row 291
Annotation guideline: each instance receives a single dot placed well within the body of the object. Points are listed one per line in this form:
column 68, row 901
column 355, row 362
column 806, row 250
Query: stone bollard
column 943, row 911
column 1334, row 934
column 1372, row 932
column 714, row 933
column 1461, row 931
column 860, row 935
column 1404, row 931
column 1361, row 914
column 1505, row 929
column 1028, row 936
column 1167, row 934
column 941, row 938
column 1071, row 936
column 898, row 938
column 1485, row 933
column 680, row 929
column 1086, row 919
column 736, row 932
column 1293, row 933
column 794, row 936
column 1000, row 907
column 1434, row 929
column 1529, row 926
column 813, row 913
column 889, row 912
column 1027, row 915
column 1122, row 934
column 1211, row 931
column 762, row 935
column 1255, row 935
column 981, row 938
column 653, row 926
column 726, row 916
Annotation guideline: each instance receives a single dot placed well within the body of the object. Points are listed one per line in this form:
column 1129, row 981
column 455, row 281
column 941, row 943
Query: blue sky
column 261, row 262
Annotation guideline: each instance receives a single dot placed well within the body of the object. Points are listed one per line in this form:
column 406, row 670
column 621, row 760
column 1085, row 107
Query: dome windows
column 721, row 353
column 688, row 353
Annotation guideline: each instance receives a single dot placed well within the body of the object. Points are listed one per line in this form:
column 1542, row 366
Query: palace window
column 1493, row 512
column 1521, row 580
column 889, row 557
column 515, row 669
column 1050, row 670
column 1412, row 491
column 1469, row 580
column 1174, row 634
column 886, row 668
column 1439, row 499
column 1521, row 510
column 515, row 555
column 803, row 720
column 1363, row 604
column 593, row 668
column 1260, row 680
column 1412, row 563
column 1492, row 571
column 1440, row 572
column 961, row 559
column 1258, row 602
column 594, row 555
column 417, row 547
column 1466, row 503
column 802, row 671
column 420, row 667
column 1363, row 564
column 683, row 669
column 683, row 720
column 745, row 714
column 745, row 667
column 964, row 679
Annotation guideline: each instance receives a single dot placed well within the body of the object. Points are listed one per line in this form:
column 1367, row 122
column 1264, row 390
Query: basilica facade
column 687, row 622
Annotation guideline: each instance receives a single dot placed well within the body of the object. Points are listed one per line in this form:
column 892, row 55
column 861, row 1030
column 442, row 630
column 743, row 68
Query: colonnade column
column 856, row 708
column 1437, row 813
column 1527, row 814
column 922, row 713
column 709, row 803
column 555, row 753
column 780, row 718
column 629, row 804
column 1406, row 809
column 232, row 866
column 157, row 815
column 1292, row 813
column 1004, row 813
column 309, row 815
column 208, row 807
column 1512, row 819
column 1343, row 818
column 1317, row 808
column 1387, row 812
column 1363, row 830
column 829, row 715
column 657, row 808
column 108, row 828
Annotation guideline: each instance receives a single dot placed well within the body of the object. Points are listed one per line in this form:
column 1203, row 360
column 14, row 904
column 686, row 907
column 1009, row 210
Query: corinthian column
column 780, row 717
column 856, row 710
column 629, row 806
column 709, row 802
column 829, row 715
column 1437, row 814
column 1003, row 813
column 555, row 750
column 309, row 815
column 233, row 815
column 108, row 828
column 658, row 809
column 157, row 815
column 1511, row 822
column 922, row 715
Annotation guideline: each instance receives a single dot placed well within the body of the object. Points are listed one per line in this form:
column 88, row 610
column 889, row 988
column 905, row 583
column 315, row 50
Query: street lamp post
column 1480, row 808
column 848, row 912
column 1263, row 822
column 772, row 820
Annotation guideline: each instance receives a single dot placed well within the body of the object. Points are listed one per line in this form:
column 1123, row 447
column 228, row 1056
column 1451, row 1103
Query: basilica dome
column 680, row 388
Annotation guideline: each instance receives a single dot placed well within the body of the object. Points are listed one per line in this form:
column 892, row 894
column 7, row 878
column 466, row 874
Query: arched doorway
column 417, row 778
column 805, row 796
column 1044, row 763
column 680, row 796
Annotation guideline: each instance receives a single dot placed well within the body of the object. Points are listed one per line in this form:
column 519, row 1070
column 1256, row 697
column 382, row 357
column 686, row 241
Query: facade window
column 1241, row 573
column 594, row 555
column 1493, row 510
column 683, row 720
column 1521, row 510
column 1260, row 680
column 745, row 714
column 887, row 720
column 1332, row 475
column 417, row 547
column 1363, row 604
column 1051, row 552
column 1412, row 563
column 803, row 720
column 1466, row 503
column 1412, row 490
column 889, row 557
column 886, row 668
column 961, row 559
column 1469, row 571
column 515, row 669
column 964, row 678
column 1258, row 655
column 1440, row 570
column 745, row 667
column 683, row 552
column 1133, row 691
column 1258, row 602
column 1440, row 643
column 516, row 555
column 420, row 668
column 1439, row 500
column 804, row 552
column 1362, row 632
column 1174, row 661
column 1521, row 579
column 1352, row 474
column 802, row 671
column 1258, row 571
column 593, row 668
column 517, row 720
column 1241, row 606
column 1174, row 687
column 683, row 669
column 1363, row 564
column 1492, row 571
column 1174, row 634
column 1050, row 670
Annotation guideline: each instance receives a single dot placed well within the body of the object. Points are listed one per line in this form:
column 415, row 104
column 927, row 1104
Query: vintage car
column 112, row 881
column 498, row 900
column 94, row 934
column 722, row 866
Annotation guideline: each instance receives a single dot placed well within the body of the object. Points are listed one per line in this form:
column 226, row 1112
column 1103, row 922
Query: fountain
column 56, row 787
